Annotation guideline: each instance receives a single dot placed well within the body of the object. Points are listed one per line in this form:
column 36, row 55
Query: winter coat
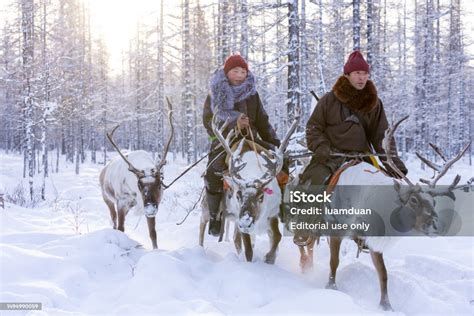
column 334, row 125
column 258, row 118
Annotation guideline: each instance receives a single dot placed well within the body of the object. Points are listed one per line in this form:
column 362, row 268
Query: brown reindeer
column 134, row 180
column 418, row 201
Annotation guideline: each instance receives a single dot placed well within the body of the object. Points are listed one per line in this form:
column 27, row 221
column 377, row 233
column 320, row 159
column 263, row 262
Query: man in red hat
column 349, row 118
column 233, row 98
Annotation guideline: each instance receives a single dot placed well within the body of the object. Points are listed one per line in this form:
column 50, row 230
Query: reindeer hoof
column 331, row 286
column 270, row 258
column 306, row 264
column 239, row 250
column 386, row 306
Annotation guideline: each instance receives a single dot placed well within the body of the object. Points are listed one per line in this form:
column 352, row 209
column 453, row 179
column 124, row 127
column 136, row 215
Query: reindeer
column 416, row 200
column 254, row 197
column 134, row 180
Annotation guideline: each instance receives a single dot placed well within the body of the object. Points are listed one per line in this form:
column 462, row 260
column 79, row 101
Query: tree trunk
column 244, row 35
column 356, row 24
column 187, row 93
column 27, row 27
column 294, row 88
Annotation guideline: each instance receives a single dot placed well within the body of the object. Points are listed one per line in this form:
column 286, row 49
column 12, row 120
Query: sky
column 117, row 26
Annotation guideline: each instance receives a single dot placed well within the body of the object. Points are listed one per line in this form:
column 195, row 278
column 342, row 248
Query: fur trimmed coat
column 258, row 117
column 229, row 102
column 332, row 122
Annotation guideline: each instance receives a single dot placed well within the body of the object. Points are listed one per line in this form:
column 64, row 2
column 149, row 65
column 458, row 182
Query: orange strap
column 335, row 177
column 282, row 178
column 226, row 185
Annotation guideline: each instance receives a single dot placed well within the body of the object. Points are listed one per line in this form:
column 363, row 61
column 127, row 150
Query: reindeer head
column 149, row 181
column 252, row 195
column 149, row 185
column 416, row 211
column 417, row 203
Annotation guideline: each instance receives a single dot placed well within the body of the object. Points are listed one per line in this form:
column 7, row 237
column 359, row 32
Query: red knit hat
column 355, row 62
column 235, row 61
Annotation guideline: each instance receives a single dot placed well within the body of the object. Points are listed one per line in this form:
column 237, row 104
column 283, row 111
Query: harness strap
column 374, row 161
column 249, row 132
column 335, row 177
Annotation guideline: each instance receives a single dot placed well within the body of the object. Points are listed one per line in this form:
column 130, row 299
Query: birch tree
column 187, row 92
column 305, row 64
column 356, row 24
column 27, row 28
column 160, row 82
column 455, row 111
column 244, row 36
column 223, row 22
column 294, row 89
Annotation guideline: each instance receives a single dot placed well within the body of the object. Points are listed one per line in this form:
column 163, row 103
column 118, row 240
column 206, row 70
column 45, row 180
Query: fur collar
column 364, row 100
column 224, row 95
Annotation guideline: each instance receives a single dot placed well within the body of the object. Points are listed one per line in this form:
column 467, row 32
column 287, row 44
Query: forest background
column 63, row 85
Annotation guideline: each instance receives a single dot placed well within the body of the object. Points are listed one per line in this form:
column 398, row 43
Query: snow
column 64, row 254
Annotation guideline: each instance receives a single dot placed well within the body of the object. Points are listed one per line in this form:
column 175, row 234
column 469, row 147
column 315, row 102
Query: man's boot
column 213, row 202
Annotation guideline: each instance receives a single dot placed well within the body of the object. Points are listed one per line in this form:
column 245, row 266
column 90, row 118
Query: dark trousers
column 215, row 167
column 318, row 173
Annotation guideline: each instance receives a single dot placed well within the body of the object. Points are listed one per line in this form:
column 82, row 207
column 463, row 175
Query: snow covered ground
column 64, row 254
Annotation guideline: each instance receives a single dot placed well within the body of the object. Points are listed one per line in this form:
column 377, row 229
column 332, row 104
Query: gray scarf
column 224, row 95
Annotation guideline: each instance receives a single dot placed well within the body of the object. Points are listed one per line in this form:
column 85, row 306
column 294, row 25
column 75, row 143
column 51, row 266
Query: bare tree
column 356, row 24
column 27, row 28
column 294, row 89
column 187, row 85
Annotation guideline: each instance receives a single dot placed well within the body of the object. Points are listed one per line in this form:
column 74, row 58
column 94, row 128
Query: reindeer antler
column 387, row 146
column 274, row 166
column 137, row 172
column 225, row 142
column 170, row 117
column 234, row 168
column 286, row 140
column 444, row 168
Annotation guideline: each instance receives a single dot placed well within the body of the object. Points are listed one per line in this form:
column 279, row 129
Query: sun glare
column 116, row 21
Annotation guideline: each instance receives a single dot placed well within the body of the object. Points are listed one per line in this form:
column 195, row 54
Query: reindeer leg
column 275, row 237
column 113, row 213
column 152, row 231
column 237, row 240
column 248, row 246
column 204, row 220
column 306, row 254
column 377, row 259
column 223, row 226
column 202, row 229
column 227, row 226
column 302, row 239
column 303, row 259
column 334, row 246
column 121, row 219
column 311, row 249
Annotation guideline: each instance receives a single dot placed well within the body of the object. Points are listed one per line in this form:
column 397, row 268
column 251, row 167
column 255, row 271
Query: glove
column 399, row 164
column 321, row 154
column 391, row 172
column 394, row 174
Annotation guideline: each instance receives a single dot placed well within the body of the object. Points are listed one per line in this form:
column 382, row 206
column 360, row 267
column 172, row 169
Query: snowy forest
column 59, row 94
column 71, row 71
